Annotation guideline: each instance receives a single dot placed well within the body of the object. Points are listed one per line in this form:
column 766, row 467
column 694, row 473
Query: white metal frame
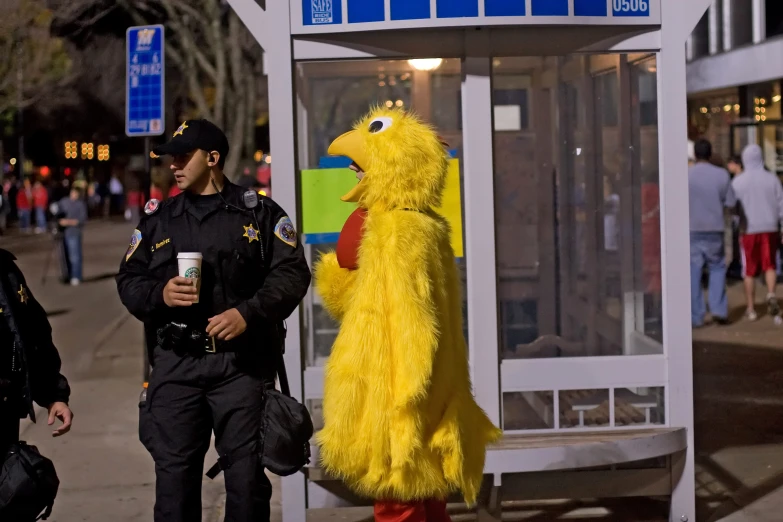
column 272, row 27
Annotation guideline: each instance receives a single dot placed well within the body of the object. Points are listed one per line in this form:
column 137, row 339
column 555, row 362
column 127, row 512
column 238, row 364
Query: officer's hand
column 226, row 326
column 179, row 291
column 61, row 411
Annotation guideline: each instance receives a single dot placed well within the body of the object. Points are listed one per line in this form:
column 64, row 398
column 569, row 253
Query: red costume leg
column 436, row 511
column 390, row 511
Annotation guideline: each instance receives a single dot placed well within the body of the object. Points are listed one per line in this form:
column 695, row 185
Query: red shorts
column 758, row 252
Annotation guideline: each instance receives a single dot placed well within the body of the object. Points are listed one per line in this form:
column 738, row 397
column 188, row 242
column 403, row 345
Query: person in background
column 761, row 195
column 24, row 205
column 40, row 204
column 135, row 200
column 691, row 153
column 116, row 192
column 93, row 200
column 5, row 208
column 73, row 212
column 734, row 166
column 246, row 180
column 738, row 223
column 710, row 194
column 156, row 192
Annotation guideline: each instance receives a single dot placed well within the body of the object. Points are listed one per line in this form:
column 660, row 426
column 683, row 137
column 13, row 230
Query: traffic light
column 70, row 150
column 87, row 151
column 103, row 153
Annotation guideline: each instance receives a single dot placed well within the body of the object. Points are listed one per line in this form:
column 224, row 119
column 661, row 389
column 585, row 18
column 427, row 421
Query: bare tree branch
column 185, row 38
column 31, row 55
column 213, row 8
column 195, row 89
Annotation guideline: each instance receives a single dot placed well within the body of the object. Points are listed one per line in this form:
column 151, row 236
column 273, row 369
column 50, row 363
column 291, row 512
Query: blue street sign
column 145, row 81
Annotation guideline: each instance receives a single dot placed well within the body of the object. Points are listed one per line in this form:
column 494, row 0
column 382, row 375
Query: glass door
column 768, row 135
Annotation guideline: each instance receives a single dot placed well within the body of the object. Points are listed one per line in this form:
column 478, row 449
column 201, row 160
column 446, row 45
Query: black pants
column 188, row 397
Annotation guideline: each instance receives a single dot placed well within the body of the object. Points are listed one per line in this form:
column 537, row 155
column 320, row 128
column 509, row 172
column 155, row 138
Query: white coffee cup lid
column 189, row 255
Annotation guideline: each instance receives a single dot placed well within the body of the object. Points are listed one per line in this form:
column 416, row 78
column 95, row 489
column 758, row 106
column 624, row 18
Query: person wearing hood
column 761, row 196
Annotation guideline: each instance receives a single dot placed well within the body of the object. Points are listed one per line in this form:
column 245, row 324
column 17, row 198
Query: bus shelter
column 566, row 123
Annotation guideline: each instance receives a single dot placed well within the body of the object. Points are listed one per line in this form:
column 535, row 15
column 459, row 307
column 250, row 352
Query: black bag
column 284, row 437
column 286, row 430
column 28, row 484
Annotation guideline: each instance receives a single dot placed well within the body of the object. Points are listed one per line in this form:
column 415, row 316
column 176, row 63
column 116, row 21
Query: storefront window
column 711, row 117
column 332, row 97
column 577, row 206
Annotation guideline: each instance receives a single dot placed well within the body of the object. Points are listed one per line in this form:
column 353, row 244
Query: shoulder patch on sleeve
column 151, row 207
column 285, row 231
column 134, row 244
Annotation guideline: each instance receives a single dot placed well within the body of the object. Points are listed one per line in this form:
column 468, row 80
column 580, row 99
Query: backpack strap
column 226, row 461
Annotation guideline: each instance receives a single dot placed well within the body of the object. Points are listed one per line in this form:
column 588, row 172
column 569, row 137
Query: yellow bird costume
column 400, row 419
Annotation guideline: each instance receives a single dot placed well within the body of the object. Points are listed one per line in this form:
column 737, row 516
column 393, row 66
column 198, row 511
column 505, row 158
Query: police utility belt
column 181, row 338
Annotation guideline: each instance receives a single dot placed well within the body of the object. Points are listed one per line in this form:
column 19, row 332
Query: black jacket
column 252, row 261
column 31, row 364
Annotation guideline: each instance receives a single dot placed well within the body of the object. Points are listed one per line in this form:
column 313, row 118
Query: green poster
column 322, row 210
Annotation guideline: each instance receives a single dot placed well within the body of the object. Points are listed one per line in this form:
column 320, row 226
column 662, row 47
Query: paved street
column 107, row 475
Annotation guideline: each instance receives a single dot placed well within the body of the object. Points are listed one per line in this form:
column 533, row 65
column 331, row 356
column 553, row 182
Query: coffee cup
column 190, row 268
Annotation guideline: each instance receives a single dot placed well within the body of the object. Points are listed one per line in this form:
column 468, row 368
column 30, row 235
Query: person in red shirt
column 156, row 193
column 24, row 203
column 40, row 203
column 174, row 190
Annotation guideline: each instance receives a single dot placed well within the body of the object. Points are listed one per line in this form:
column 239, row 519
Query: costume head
column 403, row 159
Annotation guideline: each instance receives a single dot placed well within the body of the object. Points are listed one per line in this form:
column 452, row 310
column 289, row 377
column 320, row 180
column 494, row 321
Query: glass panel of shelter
column 332, row 96
column 578, row 246
column 578, row 229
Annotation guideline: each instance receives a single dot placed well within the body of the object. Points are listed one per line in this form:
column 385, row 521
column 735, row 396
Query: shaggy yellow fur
column 400, row 419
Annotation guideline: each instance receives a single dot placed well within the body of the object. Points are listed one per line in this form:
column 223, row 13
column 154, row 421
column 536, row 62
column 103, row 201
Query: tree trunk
column 236, row 136
column 250, row 115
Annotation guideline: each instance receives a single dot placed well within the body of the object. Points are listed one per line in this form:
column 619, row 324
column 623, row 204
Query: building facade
column 734, row 78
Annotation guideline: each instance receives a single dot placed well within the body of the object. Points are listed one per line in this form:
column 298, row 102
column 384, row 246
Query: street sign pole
column 147, row 168
column 145, row 114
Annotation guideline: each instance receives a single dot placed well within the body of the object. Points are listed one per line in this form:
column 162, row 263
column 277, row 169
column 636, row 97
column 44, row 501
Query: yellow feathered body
column 400, row 420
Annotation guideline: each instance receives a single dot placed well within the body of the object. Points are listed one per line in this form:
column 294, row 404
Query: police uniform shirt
column 254, row 265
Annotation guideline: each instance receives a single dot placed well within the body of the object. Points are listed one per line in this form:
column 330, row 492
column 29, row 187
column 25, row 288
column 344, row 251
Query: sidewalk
column 739, row 416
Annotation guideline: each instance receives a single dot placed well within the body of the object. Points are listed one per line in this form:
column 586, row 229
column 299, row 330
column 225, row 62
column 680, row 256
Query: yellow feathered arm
column 333, row 284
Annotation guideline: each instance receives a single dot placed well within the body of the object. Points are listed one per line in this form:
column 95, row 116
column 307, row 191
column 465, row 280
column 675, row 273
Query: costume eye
column 380, row 124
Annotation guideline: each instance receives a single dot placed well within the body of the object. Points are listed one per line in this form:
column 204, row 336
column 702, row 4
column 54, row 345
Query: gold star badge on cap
column 181, row 129
column 23, row 294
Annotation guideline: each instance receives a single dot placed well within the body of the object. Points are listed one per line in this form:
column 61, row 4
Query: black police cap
column 192, row 135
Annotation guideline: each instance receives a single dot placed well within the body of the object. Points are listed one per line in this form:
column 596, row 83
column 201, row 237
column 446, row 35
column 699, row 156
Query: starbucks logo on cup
column 192, row 273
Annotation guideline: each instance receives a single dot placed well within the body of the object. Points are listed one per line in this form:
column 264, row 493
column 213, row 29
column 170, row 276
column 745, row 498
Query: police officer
column 213, row 357
column 29, row 361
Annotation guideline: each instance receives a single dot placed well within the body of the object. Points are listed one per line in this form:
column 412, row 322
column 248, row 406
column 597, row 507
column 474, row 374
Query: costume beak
column 355, row 194
column 351, row 145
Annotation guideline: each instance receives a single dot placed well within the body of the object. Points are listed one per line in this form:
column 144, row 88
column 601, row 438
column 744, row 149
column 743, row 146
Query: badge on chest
column 250, row 233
